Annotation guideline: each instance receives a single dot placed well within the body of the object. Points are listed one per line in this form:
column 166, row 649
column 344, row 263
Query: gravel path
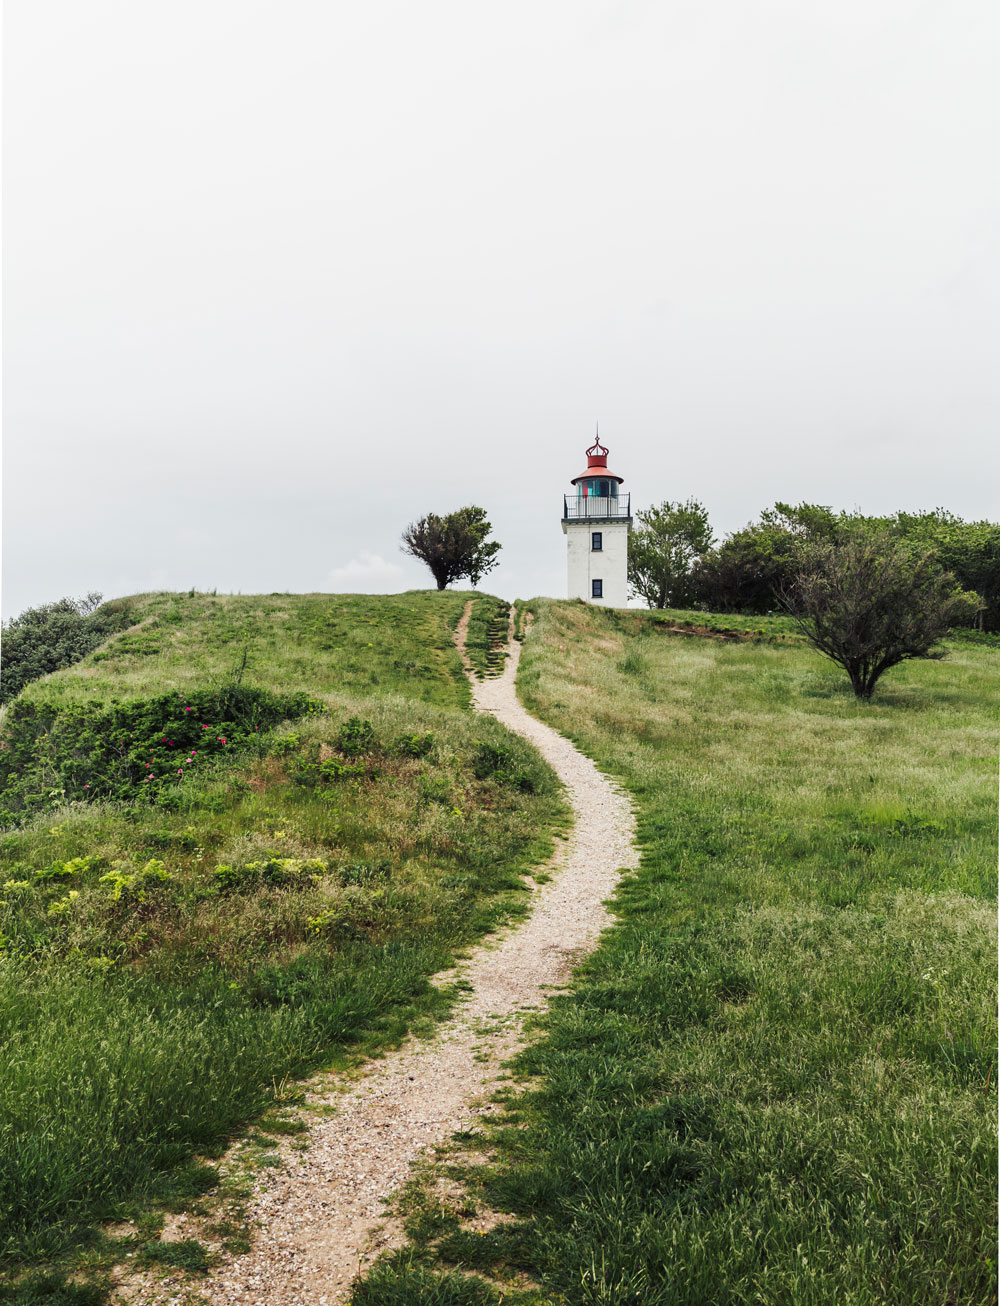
column 316, row 1212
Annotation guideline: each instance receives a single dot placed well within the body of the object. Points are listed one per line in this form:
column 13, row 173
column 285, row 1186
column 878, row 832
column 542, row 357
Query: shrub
column 870, row 601
column 282, row 745
column 356, row 736
column 435, row 789
column 279, row 872
column 363, row 912
column 133, row 887
column 331, row 770
column 365, row 872
column 124, row 750
column 55, row 635
column 499, row 762
column 413, row 745
column 633, row 664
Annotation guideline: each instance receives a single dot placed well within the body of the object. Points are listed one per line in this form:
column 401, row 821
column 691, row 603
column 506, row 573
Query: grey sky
column 282, row 276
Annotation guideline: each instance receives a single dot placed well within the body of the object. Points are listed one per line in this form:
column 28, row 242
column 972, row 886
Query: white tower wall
column 609, row 564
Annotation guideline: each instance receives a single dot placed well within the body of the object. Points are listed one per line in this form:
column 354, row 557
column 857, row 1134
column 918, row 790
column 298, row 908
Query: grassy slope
column 328, row 644
column 774, row 1081
column 142, row 1029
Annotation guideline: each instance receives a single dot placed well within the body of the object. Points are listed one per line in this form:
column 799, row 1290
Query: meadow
column 775, row 1080
column 277, row 902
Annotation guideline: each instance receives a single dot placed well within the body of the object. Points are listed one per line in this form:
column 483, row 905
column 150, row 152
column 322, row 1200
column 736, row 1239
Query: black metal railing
column 596, row 507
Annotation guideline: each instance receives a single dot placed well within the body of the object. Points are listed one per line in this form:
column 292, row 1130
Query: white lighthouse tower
column 596, row 523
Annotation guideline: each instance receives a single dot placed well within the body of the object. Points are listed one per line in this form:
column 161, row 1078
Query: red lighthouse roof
column 597, row 464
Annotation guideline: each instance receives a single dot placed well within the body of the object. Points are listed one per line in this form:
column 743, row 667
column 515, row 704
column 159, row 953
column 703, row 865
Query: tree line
column 674, row 561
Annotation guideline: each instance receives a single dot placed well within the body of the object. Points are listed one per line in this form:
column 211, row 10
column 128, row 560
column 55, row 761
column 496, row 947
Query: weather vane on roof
column 596, row 447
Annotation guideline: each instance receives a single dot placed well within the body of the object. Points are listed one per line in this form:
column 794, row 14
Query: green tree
column 870, row 600
column 750, row 568
column 969, row 549
column 453, row 546
column 662, row 549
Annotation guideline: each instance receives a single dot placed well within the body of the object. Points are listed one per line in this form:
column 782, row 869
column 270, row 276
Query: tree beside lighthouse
column 596, row 522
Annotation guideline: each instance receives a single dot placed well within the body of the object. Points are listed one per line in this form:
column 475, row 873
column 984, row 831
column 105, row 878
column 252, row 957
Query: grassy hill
column 327, row 825
column 774, row 1082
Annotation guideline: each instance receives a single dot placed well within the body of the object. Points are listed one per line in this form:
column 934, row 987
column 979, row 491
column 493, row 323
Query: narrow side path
column 317, row 1211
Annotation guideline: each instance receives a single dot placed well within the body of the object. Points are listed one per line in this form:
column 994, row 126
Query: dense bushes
column 55, row 635
column 125, row 750
column 749, row 570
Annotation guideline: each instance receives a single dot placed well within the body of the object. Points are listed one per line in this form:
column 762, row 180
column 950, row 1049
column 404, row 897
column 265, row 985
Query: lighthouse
column 596, row 522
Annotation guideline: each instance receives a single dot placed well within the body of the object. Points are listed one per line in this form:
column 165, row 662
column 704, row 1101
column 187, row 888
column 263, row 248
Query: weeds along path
column 316, row 1212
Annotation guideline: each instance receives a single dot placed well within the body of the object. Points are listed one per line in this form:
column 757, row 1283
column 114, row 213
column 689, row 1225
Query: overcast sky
column 281, row 277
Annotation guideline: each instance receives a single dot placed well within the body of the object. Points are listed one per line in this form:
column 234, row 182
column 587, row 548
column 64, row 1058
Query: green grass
column 774, row 1082
column 347, row 644
column 168, row 962
column 775, row 627
column 486, row 639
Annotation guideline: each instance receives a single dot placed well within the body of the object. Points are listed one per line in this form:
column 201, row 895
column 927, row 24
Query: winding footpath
column 316, row 1212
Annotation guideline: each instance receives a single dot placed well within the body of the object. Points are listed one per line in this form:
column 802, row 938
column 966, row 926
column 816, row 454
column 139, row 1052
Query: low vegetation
column 774, row 1082
column 486, row 641
column 327, row 826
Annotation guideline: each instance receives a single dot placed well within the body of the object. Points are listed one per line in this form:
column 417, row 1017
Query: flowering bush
column 82, row 751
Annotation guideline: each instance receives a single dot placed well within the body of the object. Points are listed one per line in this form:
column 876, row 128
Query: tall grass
column 774, row 1082
column 166, row 965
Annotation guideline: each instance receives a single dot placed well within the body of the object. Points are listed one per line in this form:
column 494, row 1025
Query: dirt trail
column 316, row 1212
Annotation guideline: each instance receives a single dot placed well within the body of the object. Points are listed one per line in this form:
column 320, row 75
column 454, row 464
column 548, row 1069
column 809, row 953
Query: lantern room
column 597, row 489
column 597, row 482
